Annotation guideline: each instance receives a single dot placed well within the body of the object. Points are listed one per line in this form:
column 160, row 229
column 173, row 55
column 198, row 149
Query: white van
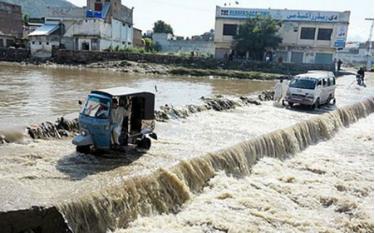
column 313, row 88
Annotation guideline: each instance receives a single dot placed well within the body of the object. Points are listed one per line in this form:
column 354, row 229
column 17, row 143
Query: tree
column 162, row 27
column 151, row 46
column 257, row 35
column 25, row 19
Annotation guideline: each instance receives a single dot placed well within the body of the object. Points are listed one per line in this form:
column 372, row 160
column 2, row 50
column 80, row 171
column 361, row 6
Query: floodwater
column 93, row 192
column 326, row 188
column 31, row 94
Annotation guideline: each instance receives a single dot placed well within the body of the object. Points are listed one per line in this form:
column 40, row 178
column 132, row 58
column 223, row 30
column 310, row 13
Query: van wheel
column 316, row 104
column 83, row 149
column 145, row 143
column 329, row 99
column 290, row 104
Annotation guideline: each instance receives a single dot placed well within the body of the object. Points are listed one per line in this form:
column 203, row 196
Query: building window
column 324, row 34
column 98, row 7
column 33, row 42
column 307, row 33
column 40, row 43
column 47, row 43
column 230, row 30
column 1, row 43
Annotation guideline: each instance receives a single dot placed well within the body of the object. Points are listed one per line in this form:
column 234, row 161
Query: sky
column 194, row 17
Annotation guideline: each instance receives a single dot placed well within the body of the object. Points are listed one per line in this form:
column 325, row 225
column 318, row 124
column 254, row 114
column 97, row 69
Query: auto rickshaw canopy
column 149, row 98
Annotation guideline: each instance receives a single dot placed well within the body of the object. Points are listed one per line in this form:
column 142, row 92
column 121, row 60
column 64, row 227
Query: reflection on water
column 31, row 94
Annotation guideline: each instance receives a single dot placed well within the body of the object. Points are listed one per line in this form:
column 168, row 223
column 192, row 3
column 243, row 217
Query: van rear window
column 303, row 83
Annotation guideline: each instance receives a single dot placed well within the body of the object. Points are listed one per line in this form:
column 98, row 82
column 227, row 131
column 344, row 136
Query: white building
column 102, row 25
column 307, row 36
column 357, row 53
column 170, row 44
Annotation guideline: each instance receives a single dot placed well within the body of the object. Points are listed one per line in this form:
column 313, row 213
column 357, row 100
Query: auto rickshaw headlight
column 83, row 132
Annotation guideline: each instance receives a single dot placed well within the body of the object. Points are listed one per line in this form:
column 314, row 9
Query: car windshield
column 96, row 107
column 303, row 83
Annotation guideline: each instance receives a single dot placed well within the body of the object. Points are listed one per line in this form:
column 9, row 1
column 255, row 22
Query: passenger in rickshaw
column 118, row 114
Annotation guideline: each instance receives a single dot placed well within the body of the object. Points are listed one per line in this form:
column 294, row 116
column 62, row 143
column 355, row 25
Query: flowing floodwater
column 326, row 188
column 96, row 194
column 30, row 94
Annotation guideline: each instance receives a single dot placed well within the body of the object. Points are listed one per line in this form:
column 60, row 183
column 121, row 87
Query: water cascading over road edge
column 167, row 189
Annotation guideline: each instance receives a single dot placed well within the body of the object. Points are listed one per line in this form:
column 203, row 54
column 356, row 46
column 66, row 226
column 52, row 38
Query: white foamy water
column 47, row 172
column 326, row 188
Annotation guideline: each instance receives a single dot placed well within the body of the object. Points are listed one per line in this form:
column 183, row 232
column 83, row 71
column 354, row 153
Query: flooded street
column 30, row 94
column 116, row 190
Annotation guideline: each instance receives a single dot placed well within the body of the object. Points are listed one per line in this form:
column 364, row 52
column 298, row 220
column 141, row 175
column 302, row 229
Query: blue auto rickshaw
column 96, row 123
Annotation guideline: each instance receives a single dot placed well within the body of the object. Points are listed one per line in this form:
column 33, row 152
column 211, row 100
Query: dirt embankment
column 152, row 68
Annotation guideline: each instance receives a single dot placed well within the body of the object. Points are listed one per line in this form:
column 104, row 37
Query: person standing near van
column 278, row 91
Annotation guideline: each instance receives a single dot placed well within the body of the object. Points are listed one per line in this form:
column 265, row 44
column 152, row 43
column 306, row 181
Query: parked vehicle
column 313, row 88
column 97, row 126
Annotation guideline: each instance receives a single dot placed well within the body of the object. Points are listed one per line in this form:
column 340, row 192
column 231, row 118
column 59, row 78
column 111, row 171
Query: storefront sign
column 340, row 43
column 292, row 15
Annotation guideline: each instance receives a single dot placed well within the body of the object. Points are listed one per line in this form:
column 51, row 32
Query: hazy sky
column 192, row 17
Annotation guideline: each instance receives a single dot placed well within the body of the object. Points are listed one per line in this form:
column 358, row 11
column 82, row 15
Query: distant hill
column 38, row 8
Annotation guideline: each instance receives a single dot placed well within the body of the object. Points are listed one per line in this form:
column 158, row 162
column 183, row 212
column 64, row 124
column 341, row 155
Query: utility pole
column 369, row 62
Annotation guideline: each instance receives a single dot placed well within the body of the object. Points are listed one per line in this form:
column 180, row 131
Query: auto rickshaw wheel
column 83, row 149
column 144, row 143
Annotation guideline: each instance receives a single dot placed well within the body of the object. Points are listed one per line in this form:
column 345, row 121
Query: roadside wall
column 86, row 57
column 16, row 55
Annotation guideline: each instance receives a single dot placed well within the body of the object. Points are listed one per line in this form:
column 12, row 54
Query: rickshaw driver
column 118, row 113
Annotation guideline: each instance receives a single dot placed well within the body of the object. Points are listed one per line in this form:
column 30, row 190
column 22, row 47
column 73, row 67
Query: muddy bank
column 152, row 68
column 166, row 69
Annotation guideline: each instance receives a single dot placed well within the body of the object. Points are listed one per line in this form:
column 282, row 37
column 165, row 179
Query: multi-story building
column 11, row 26
column 103, row 24
column 108, row 24
column 307, row 36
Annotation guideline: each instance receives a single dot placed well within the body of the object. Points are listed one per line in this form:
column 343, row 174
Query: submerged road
column 46, row 172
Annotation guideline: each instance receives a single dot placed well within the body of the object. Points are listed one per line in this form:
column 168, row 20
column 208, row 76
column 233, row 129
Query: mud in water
column 326, row 188
column 35, row 94
column 97, row 194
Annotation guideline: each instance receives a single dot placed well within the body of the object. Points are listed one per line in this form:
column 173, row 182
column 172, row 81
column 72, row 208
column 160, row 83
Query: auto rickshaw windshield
column 96, row 107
